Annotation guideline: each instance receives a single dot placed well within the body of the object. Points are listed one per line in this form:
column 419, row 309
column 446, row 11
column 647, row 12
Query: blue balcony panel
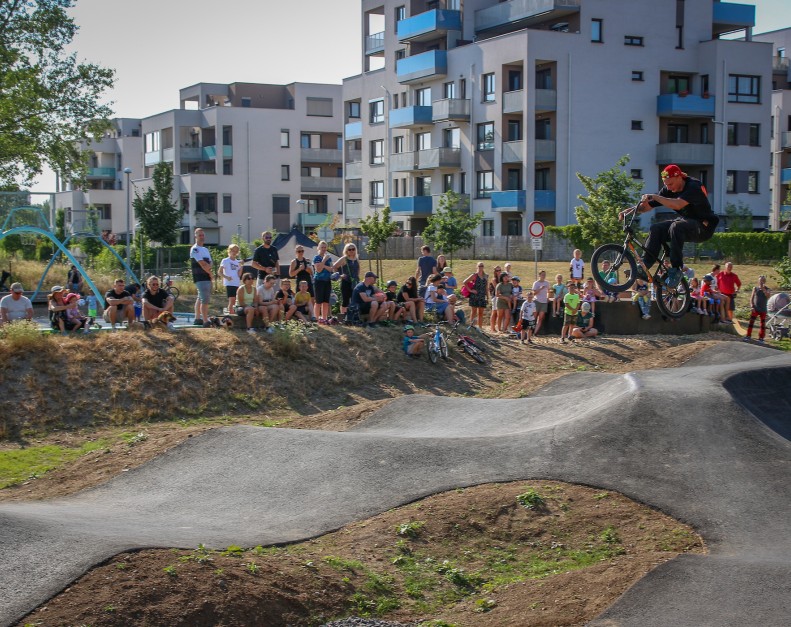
column 312, row 219
column 516, row 14
column 512, row 200
column 428, row 25
column 785, row 176
column 728, row 17
column 411, row 205
column 433, row 63
column 673, row 105
column 353, row 130
column 101, row 173
column 544, row 200
column 409, row 117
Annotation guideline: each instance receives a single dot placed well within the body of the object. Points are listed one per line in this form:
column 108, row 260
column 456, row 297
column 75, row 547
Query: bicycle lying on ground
column 437, row 345
column 467, row 344
column 615, row 270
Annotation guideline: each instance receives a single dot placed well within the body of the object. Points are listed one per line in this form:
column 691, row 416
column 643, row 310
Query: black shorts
column 346, row 293
column 303, row 310
column 365, row 308
column 230, row 291
column 528, row 324
column 322, row 290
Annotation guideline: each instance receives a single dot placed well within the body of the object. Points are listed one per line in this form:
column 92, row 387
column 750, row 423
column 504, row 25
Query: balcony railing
column 546, row 100
column 512, row 152
column 451, row 109
column 203, row 220
column 428, row 25
column 191, row 153
column 321, row 155
column 354, row 210
column 353, row 170
column 321, row 184
column 544, row 200
column 545, row 150
column 433, row 63
column 152, row 158
column 354, row 155
column 374, row 44
column 168, row 155
column 311, row 219
column 779, row 64
column 422, row 205
column 690, row 106
column 513, row 101
column 785, row 176
column 209, row 153
column 410, row 117
column 438, row 158
column 355, row 187
column 403, row 162
column 514, row 200
column 353, row 130
column 101, row 173
column 688, row 154
column 523, row 12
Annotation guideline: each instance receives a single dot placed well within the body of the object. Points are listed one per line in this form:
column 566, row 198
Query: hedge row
column 742, row 247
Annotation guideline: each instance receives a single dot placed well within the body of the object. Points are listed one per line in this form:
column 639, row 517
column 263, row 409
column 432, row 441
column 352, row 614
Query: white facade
column 507, row 101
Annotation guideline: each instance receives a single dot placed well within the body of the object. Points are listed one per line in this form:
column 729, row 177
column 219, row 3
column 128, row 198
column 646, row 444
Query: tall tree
column 49, row 101
column 608, row 193
column 452, row 226
column 377, row 227
column 159, row 215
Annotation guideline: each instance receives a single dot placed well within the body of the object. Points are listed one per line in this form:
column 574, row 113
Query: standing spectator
column 478, row 294
column 349, row 268
column 728, row 284
column 503, row 295
column 572, row 304
column 322, row 283
column 408, row 294
column 559, row 291
column 231, row 274
column 541, row 291
column 247, row 301
column 494, row 281
column 758, row 301
column 15, row 306
column 74, row 280
column 577, row 267
column 301, row 269
column 527, row 315
column 441, row 263
column 426, row 268
column 269, row 306
column 265, row 259
column 450, row 281
column 584, row 326
column 156, row 301
column 119, row 304
column 200, row 258
column 369, row 299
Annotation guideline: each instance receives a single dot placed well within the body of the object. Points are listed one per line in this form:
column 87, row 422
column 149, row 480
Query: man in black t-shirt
column 265, row 258
column 687, row 197
column 155, row 300
column 120, row 304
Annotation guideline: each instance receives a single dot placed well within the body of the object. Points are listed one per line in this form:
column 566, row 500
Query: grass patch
column 19, row 465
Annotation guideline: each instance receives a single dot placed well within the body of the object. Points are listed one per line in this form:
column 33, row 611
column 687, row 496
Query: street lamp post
column 304, row 204
column 128, row 172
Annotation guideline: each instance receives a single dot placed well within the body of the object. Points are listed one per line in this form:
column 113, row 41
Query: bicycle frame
column 632, row 243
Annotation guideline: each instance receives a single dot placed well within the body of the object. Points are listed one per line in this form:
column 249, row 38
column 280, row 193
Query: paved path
column 678, row 439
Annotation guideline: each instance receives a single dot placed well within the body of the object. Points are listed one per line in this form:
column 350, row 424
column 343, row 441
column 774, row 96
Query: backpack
column 353, row 315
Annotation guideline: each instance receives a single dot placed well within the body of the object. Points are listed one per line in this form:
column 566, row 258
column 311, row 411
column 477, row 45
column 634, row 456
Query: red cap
column 671, row 171
column 70, row 297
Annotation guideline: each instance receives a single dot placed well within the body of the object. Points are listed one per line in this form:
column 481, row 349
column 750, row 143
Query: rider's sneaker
column 673, row 277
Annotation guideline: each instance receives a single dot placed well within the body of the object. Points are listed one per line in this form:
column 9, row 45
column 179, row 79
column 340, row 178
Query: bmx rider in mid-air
column 686, row 196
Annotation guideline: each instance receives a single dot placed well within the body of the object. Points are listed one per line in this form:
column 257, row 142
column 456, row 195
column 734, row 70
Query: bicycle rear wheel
column 174, row 291
column 620, row 259
column 433, row 353
column 673, row 302
column 474, row 353
column 443, row 346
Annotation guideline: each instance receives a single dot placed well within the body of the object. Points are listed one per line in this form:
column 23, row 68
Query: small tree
column 607, row 193
column 159, row 216
column 739, row 218
column 60, row 223
column 378, row 228
column 451, row 227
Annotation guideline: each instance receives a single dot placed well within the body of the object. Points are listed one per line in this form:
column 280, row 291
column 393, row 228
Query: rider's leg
column 659, row 233
column 681, row 231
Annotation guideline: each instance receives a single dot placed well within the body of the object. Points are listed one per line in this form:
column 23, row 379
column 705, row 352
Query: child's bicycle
column 672, row 302
column 436, row 345
column 467, row 344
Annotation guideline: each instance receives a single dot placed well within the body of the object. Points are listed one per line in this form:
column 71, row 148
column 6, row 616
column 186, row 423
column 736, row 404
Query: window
column 514, row 130
column 463, row 88
column 377, row 151
column 542, row 178
column 400, row 13
column 152, row 141
column 544, row 79
column 400, row 54
column 462, row 182
column 632, row 40
column 637, row 174
column 679, row 37
column 226, row 204
column 319, row 107
column 377, row 193
column 376, row 111
column 678, row 84
column 488, row 87
column 514, row 226
column 449, row 90
column 732, row 134
column 285, row 172
column 677, row 134
column 304, row 140
column 395, row 188
column 637, row 125
column 543, row 129
column 451, row 138
column 754, row 134
column 205, row 203
column 781, row 53
column 597, row 31
column 422, row 141
column 704, row 85
column 423, row 97
column 284, row 140
column 485, row 184
column 743, row 88
column 514, row 80
column 354, row 109
column 704, row 133
column 310, row 171
column 730, row 181
column 487, row 228
column 398, row 144
column 514, row 178
column 281, row 212
column 447, row 183
column 227, row 167
column 752, row 182
column 227, row 135
column 637, row 75
column 486, row 136
column 246, row 102
column 423, row 186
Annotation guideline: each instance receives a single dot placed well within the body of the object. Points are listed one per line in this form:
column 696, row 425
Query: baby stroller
column 776, row 326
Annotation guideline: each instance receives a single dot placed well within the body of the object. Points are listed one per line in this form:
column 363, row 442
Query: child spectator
column 302, row 301
column 231, row 273
column 516, row 296
column 247, row 302
column 609, row 277
column 413, row 346
column 527, row 314
column 590, row 294
column 560, row 291
column 74, row 318
column 642, row 297
column 577, row 267
column 758, row 301
column 400, row 310
column 571, row 301
column 584, row 327
column 285, row 298
column 437, row 300
column 269, row 307
column 694, row 291
column 714, row 299
column 541, row 298
column 450, row 281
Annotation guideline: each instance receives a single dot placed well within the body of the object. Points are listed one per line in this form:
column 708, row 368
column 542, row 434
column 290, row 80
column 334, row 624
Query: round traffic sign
column 326, row 233
column 536, row 229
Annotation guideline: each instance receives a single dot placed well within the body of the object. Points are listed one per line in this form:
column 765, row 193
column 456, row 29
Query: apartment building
column 504, row 102
column 780, row 179
column 245, row 157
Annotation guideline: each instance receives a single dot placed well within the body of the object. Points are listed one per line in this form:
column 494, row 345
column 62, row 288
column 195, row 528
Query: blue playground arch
column 42, row 228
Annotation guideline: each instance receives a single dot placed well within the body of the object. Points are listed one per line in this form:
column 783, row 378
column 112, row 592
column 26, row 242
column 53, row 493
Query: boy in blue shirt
column 413, row 346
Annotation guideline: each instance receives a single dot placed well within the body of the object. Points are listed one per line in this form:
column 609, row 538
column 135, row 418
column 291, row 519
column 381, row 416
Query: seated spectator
column 409, row 294
column 450, row 281
column 137, row 297
column 694, row 291
column 120, row 304
column 74, row 318
column 641, row 297
column 398, row 310
column 610, row 277
column 57, row 308
column 285, row 298
column 584, row 326
column 590, row 294
column 369, row 299
column 247, row 302
column 716, row 301
column 269, row 307
column 15, row 306
column 559, row 290
column 156, row 300
column 437, row 299
column 412, row 345
column 302, row 301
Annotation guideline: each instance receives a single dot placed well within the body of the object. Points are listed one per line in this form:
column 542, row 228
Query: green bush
column 746, row 247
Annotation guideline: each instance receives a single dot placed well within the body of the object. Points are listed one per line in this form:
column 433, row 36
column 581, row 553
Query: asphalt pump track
column 708, row 443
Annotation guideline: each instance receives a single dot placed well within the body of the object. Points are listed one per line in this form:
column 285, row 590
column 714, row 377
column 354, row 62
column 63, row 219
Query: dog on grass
column 160, row 322
column 219, row 323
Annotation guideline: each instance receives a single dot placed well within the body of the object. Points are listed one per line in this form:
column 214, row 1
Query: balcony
column 410, row 117
column 785, row 140
column 513, row 101
column 729, row 17
column 438, row 158
column 203, row 220
column 429, row 25
column 354, row 210
column 311, row 219
column 353, row 130
column 353, row 170
column 688, row 154
column 514, row 200
column 321, row 184
column 101, row 173
column 355, row 187
column 431, row 64
column 545, row 150
column 544, row 200
column 516, row 14
column 209, row 153
column 780, row 65
column 191, row 153
column 354, row 155
column 412, row 205
column 451, row 109
column 168, row 155
column 375, row 44
column 152, row 158
column 512, row 152
column 689, row 106
column 546, row 100
column 321, row 155
column 785, row 176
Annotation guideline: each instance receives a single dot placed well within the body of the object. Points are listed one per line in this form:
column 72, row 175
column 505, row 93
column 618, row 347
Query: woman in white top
column 247, row 299
column 231, row 273
column 268, row 306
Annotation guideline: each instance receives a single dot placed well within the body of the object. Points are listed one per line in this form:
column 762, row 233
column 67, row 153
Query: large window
column 447, row 183
column 514, row 130
column 449, row 90
column 376, row 111
column 485, row 184
column 487, row 228
column 451, row 138
column 377, row 193
column 486, row 136
column 423, row 186
column 354, row 109
column 398, row 144
column 400, row 13
column 489, row 87
column 377, row 151
column 423, row 141
column 227, row 205
column 754, row 134
column 152, row 141
column 752, row 182
column 423, row 97
column 743, row 88
column 677, row 133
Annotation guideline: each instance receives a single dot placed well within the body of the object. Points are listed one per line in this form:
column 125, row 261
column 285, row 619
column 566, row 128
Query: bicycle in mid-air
column 437, row 345
column 614, row 268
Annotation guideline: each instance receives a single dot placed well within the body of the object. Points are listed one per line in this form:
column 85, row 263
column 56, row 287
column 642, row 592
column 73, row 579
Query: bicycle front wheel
column 613, row 279
column 474, row 353
column 443, row 347
column 433, row 353
column 673, row 302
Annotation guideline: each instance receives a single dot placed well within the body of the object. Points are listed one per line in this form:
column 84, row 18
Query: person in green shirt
column 584, row 326
column 571, row 302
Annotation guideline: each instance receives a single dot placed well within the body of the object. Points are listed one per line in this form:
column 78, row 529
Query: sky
column 160, row 46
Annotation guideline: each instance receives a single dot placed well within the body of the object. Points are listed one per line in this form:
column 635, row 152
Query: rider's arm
column 650, row 201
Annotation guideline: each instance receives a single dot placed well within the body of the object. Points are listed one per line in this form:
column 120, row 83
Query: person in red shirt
column 715, row 299
column 728, row 283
